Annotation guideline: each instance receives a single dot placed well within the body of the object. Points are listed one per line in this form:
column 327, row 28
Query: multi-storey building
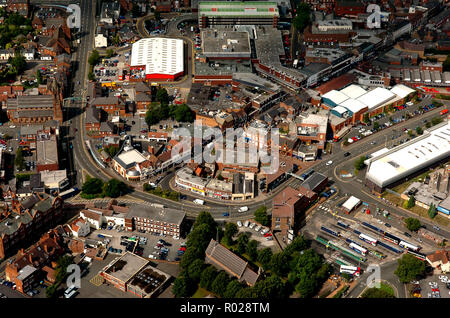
column 27, row 220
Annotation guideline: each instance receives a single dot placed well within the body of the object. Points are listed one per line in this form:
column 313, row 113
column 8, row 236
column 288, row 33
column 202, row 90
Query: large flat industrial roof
column 225, row 43
column 158, row 55
column 376, row 97
column 126, row 267
column 416, row 154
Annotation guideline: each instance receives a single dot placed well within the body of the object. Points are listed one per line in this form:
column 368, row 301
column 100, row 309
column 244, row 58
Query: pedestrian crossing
column 97, row 280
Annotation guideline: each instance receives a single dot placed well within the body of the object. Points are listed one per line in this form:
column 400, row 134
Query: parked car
column 239, row 223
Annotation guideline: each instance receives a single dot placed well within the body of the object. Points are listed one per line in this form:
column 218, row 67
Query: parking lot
column 434, row 287
column 250, row 227
column 146, row 243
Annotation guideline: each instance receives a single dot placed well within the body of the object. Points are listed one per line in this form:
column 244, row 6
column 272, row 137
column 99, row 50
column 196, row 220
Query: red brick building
column 25, row 221
column 349, row 7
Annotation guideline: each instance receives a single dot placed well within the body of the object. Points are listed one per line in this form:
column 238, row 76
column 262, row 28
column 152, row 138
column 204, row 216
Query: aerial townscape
column 228, row 149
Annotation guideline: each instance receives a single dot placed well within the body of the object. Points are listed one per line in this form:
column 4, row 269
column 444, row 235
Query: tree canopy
column 432, row 211
column 302, row 17
column 261, row 216
column 412, row 224
column 359, row 163
column 409, row 268
column 115, row 188
column 92, row 186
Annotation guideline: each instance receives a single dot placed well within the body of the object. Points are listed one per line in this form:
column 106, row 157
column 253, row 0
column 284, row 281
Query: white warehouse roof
column 353, row 91
column 353, row 105
column 158, row 55
column 340, row 110
column 402, row 90
column 416, row 154
column 335, row 96
column 376, row 97
column 351, row 203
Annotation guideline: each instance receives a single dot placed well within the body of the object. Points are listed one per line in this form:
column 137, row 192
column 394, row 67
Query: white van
column 198, row 201
column 243, row 209
column 246, row 223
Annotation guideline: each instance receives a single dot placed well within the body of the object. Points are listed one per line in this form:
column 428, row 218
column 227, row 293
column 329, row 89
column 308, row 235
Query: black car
column 347, row 154
column 387, row 224
column 407, row 234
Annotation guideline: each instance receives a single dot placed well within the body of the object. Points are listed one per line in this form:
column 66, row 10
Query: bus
column 70, row 292
column 352, row 270
column 69, row 193
column 358, row 249
column 368, row 239
column 334, row 233
column 391, row 238
column 417, row 254
column 409, row 246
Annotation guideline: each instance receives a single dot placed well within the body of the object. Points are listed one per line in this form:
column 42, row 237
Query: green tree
column 232, row 289
column 242, row 241
column 50, row 292
column 162, row 96
column 61, row 268
column 39, row 77
column 366, row 118
column 19, row 63
column 302, row 17
column 252, row 249
column 91, row 76
column 279, row 264
column 92, row 186
column 376, row 125
column 411, row 202
column 412, row 224
column 261, row 216
column 94, row 58
column 152, row 116
column 183, row 286
column 272, row 287
column 195, row 269
column 157, row 15
column 220, row 283
column 247, row 292
column 109, row 53
column 264, row 257
column 111, row 150
column 409, row 268
column 115, row 188
column 419, row 130
column 359, row 163
column 297, row 245
column 432, row 211
column 183, row 113
column 230, row 231
column 436, row 120
column 208, row 276
column 19, row 161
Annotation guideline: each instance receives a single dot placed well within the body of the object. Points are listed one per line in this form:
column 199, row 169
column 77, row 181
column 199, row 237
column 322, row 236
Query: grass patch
column 387, row 288
column 201, row 293
column 341, row 292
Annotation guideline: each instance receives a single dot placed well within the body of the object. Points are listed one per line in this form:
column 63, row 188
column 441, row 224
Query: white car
column 258, row 228
column 239, row 223
column 243, row 209
column 246, row 223
column 152, row 256
column 329, row 163
column 264, row 230
column 252, row 225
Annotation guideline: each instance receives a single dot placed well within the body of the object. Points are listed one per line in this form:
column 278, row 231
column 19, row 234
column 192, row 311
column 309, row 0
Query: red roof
column 336, row 83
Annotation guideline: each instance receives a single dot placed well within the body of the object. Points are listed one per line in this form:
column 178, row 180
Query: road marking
column 97, row 280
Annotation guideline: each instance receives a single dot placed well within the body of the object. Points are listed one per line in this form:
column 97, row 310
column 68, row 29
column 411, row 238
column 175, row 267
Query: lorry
column 199, row 201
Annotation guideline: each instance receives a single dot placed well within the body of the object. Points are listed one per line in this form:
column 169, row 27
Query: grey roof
column 10, row 224
column 168, row 215
column 313, row 181
column 33, row 113
column 107, row 126
column 221, row 257
column 30, row 202
column 93, row 115
column 31, row 101
column 47, row 151
column 25, row 272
